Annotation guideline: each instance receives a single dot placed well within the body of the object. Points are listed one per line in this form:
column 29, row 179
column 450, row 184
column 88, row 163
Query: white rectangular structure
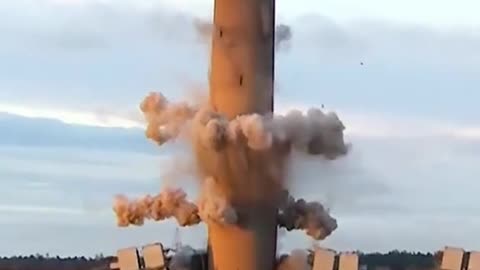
column 474, row 261
column 128, row 259
column 153, row 256
column 348, row 261
column 323, row 259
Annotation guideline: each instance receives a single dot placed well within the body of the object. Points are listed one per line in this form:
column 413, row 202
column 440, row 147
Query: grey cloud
column 146, row 49
column 374, row 41
column 93, row 26
column 96, row 25
column 323, row 33
column 119, row 22
column 45, row 132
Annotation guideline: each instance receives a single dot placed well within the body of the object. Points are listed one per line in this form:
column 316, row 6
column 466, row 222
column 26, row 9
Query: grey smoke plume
column 283, row 35
column 182, row 260
column 315, row 132
column 309, row 216
column 244, row 157
column 167, row 204
column 297, row 260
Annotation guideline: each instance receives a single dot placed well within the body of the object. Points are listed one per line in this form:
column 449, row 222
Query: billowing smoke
column 164, row 120
column 238, row 159
column 213, row 206
column 297, row 260
column 182, row 260
column 283, row 35
column 315, row 133
column 169, row 203
column 309, row 216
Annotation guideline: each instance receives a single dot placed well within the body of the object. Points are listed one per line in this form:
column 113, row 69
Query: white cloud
column 357, row 124
column 6, row 209
column 97, row 119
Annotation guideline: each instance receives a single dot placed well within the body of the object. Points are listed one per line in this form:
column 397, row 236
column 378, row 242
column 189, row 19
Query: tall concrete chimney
column 242, row 61
column 241, row 82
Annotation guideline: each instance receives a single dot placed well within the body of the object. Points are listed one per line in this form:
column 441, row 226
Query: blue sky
column 73, row 72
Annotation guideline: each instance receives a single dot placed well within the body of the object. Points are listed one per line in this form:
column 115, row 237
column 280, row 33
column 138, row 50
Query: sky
column 74, row 71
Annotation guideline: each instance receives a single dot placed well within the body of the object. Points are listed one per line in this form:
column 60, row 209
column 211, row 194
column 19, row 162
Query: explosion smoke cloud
column 167, row 204
column 213, row 206
column 245, row 154
column 315, row 133
column 165, row 120
column 309, row 216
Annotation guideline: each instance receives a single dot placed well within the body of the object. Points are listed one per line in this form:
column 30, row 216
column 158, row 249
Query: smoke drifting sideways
column 257, row 149
column 315, row 133
column 169, row 203
column 309, row 216
column 212, row 207
column 283, row 33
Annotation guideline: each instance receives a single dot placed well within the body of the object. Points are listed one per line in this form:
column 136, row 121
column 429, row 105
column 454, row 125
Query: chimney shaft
column 241, row 82
column 242, row 60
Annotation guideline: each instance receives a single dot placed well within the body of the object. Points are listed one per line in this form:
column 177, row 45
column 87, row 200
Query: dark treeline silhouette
column 394, row 260
column 40, row 262
column 400, row 260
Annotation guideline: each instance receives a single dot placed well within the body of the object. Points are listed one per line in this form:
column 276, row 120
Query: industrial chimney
column 241, row 82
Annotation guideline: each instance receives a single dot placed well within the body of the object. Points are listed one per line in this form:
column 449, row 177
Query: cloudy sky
column 72, row 73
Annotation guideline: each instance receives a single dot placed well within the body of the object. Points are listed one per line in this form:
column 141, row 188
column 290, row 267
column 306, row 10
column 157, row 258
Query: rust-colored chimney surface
column 242, row 60
column 241, row 82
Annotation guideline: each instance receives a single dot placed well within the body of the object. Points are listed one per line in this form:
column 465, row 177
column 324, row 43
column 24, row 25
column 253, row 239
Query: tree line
column 400, row 260
column 393, row 260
